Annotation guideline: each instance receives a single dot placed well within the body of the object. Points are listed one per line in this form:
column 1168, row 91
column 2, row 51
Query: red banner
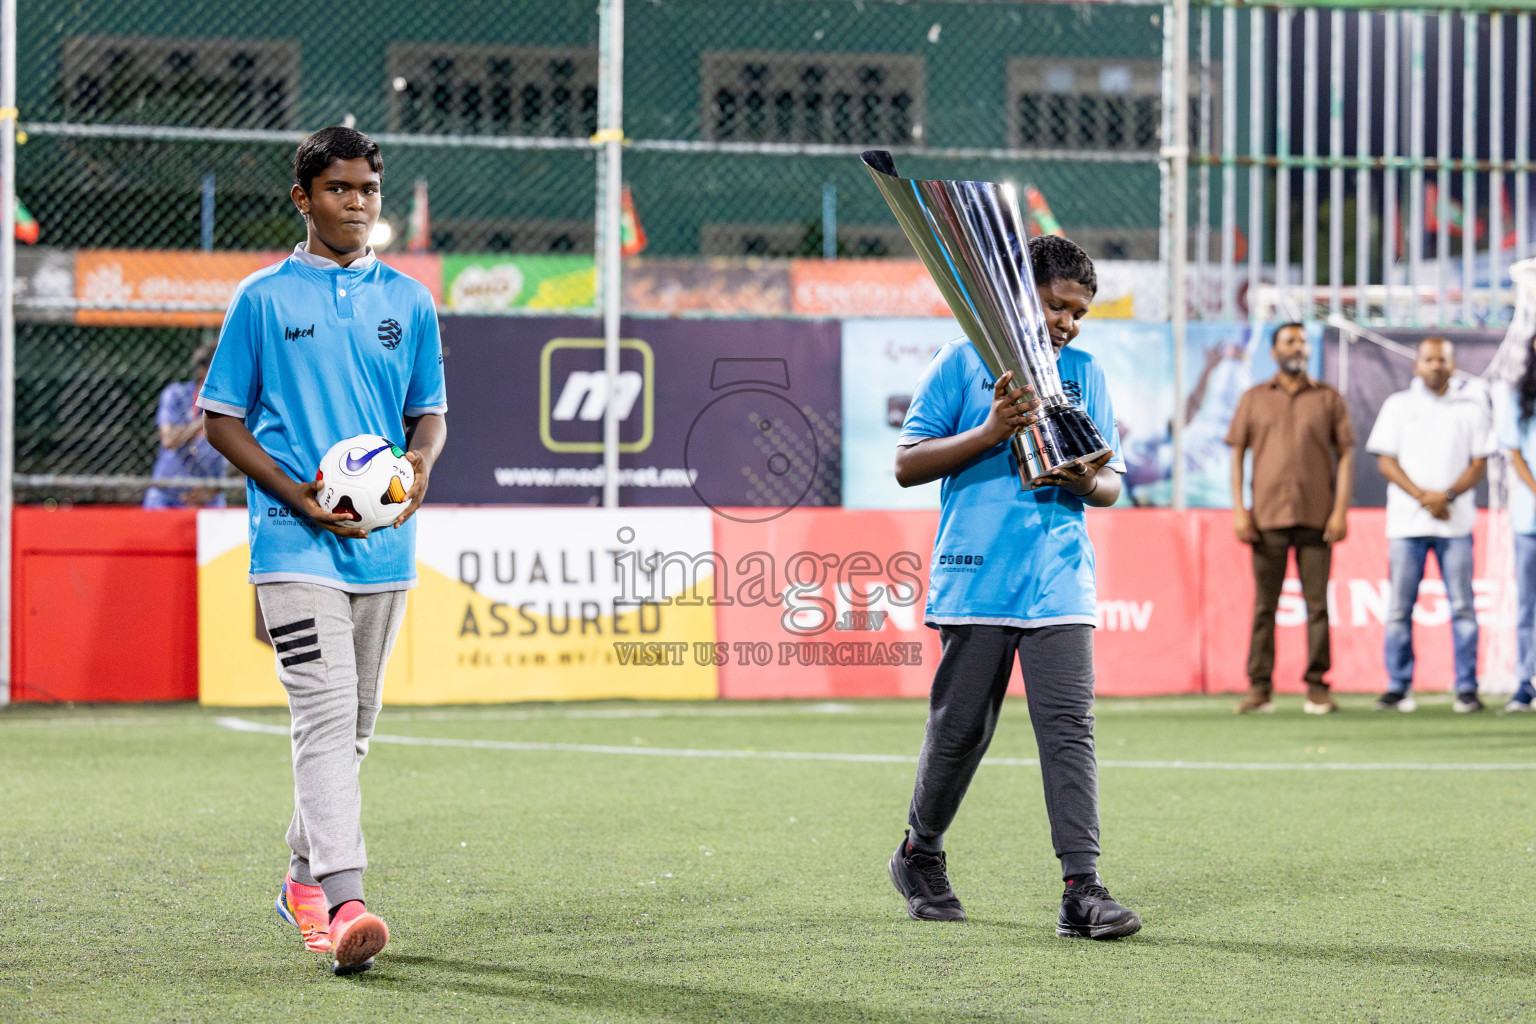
column 1175, row 607
column 818, row 603
column 1150, row 588
column 1358, row 597
column 890, row 288
column 840, row 609
column 190, row 288
column 853, row 584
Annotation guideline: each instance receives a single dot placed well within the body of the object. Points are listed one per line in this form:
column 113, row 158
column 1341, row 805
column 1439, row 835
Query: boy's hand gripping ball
column 367, row 477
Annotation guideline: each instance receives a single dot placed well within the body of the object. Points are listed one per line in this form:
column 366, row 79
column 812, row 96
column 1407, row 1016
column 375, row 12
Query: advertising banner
column 1376, row 372
column 45, row 283
column 493, row 283
column 1137, row 362
column 1222, row 361
column 712, row 413
column 558, row 604
column 425, row 267
column 843, row 288
column 1128, row 289
column 145, row 287
column 1358, row 601
column 118, row 280
column 829, row 603
column 512, row 604
column 882, row 361
column 1147, row 564
column 724, row 286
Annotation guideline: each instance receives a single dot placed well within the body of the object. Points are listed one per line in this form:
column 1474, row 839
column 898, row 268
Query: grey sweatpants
column 963, row 707
column 331, row 650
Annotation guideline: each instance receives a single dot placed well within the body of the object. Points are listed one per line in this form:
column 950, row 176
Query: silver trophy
column 971, row 238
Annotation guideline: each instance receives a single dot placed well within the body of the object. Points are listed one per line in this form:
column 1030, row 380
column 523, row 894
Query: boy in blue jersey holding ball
column 1012, row 574
column 328, row 344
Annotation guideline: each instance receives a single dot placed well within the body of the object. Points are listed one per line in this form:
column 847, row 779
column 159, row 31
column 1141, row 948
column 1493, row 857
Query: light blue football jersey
column 1005, row 556
column 313, row 353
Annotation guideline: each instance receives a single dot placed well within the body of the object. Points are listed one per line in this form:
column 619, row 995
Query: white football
column 368, row 477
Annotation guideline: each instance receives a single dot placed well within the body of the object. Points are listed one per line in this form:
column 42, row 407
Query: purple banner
column 1376, row 372
column 729, row 414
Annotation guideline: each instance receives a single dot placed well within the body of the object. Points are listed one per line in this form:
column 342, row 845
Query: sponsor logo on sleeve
column 957, row 563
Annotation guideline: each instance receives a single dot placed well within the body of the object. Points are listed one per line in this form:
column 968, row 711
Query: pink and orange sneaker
column 303, row 906
column 356, row 938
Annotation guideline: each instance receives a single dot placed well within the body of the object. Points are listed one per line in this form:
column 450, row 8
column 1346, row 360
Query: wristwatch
column 1450, row 495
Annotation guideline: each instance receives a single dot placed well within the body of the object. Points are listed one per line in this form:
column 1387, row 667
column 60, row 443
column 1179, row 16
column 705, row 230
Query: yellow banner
column 512, row 605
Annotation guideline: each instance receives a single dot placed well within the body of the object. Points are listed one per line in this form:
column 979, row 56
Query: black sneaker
column 1392, row 701
column 922, row 879
column 1466, row 703
column 1089, row 912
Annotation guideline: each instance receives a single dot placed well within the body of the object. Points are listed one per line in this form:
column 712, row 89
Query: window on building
column 859, row 98
column 222, row 83
column 444, row 89
column 1099, row 104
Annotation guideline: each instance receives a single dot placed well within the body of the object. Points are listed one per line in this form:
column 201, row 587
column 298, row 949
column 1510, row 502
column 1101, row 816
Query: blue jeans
column 1525, row 621
column 1454, row 556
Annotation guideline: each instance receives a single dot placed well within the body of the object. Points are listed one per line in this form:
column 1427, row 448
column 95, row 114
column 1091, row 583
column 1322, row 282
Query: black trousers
column 1314, row 557
column 963, row 708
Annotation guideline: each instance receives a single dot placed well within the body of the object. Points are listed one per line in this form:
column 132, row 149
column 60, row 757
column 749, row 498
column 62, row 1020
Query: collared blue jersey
column 313, row 353
column 1005, row 556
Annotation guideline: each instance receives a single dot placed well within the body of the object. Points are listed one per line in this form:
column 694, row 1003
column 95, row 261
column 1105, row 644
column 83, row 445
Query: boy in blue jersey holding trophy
column 328, row 344
column 1012, row 573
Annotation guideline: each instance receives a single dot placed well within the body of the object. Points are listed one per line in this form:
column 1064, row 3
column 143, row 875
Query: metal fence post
column 1363, row 23
column 1178, row 157
column 1255, row 153
column 7, row 327
column 610, row 185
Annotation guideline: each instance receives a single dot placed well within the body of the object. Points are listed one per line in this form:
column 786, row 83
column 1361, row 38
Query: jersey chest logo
column 390, row 333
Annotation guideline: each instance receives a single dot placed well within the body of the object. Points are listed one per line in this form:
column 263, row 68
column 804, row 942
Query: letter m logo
column 574, row 395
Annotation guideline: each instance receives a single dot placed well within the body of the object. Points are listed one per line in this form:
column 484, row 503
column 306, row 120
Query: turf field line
column 577, row 714
column 243, row 725
column 69, row 720
column 105, row 723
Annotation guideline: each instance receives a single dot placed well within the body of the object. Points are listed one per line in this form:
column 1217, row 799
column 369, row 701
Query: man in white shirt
column 1432, row 443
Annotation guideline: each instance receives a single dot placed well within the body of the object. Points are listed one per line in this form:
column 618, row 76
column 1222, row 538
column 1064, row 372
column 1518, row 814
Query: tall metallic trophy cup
column 971, row 238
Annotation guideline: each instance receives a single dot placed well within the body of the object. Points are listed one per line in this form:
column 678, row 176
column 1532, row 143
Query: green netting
column 169, row 125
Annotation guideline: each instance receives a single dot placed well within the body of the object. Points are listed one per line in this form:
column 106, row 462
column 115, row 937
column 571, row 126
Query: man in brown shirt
column 1303, row 470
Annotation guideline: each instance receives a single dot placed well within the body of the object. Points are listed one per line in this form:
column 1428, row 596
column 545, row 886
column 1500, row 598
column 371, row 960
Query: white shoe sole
column 1318, row 709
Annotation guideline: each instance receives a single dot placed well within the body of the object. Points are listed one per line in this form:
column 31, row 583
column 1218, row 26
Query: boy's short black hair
column 1274, row 339
column 327, row 145
column 1053, row 258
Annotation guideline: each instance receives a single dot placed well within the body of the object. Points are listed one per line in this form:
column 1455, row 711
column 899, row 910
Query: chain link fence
column 158, row 137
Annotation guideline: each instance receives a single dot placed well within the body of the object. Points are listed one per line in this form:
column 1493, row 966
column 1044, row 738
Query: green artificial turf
column 141, row 849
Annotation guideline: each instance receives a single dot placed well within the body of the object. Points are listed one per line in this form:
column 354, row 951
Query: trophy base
column 1064, row 436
